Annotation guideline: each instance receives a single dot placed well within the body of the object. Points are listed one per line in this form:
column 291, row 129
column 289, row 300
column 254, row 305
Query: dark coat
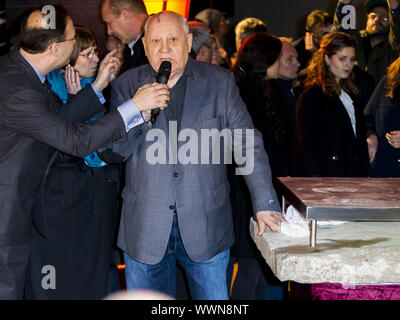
column 31, row 128
column 273, row 116
column 383, row 115
column 304, row 55
column 81, row 208
column 325, row 141
column 138, row 58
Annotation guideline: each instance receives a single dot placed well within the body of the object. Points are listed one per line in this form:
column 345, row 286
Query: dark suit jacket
column 325, row 141
column 31, row 129
column 137, row 59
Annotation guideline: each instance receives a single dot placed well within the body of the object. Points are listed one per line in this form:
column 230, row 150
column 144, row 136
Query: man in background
column 245, row 28
column 125, row 20
column 34, row 125
column 377, row 43
column 201, row 46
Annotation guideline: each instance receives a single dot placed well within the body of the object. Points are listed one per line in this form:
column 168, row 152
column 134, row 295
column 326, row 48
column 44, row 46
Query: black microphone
column 162, row 77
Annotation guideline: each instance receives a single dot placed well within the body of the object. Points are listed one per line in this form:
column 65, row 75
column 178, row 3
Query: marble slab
column 352, row 253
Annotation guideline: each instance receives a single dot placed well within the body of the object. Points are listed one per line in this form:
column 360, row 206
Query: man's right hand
column 151, row 96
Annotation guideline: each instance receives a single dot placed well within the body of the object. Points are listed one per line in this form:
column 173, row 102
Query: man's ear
column 190, row 40
column 53, row 49
column 144, row 45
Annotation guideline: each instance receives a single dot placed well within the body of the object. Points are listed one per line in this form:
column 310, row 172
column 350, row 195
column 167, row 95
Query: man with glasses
column 33, row 125
column 376, row 45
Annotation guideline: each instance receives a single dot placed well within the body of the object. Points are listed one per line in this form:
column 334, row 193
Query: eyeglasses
column 374, row 16
column 91, row 54
column 74, row 38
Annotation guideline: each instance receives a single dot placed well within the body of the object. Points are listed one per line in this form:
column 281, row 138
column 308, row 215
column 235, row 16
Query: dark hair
column 136, row 6
column 318, row 18
column 372, row 4
column 257, row 53
column 36, row 40
column 85, row 39
column 318, row 72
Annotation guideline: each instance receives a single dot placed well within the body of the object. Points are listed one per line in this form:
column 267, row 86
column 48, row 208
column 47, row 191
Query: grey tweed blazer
column 198, row 193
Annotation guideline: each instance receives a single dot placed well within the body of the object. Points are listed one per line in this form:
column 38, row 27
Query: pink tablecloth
column 335, row 291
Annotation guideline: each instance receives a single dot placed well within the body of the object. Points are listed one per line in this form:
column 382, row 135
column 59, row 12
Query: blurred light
column 178, row 6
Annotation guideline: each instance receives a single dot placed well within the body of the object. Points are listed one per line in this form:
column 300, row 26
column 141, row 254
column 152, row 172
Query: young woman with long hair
column 330, row 125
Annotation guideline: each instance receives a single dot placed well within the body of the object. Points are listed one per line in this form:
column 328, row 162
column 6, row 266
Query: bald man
column 33, row 126
column 180, row 211
column 125, row 21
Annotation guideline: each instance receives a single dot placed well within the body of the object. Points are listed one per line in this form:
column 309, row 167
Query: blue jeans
column 207, row 279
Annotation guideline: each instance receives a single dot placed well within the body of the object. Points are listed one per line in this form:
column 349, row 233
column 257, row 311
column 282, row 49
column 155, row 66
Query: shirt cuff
column 130, row 114
column 98, row 94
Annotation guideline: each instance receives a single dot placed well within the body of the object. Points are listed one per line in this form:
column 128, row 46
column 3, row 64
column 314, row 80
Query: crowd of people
column 79, row 193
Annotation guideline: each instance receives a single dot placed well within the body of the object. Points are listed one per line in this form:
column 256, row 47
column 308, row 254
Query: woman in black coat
column 330, row 126
column 257, row 61
column 383, row 118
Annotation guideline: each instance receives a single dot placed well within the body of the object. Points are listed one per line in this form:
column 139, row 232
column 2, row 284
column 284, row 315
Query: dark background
column 283, row 17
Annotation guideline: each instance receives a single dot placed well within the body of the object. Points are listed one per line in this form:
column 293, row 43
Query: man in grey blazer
column 33, row 125
column 176, row 203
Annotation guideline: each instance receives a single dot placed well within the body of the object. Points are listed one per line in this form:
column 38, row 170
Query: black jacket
column 137, row 59
column 383, row 116
column 325, row 141
column 273, row 115
column 31, row 129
